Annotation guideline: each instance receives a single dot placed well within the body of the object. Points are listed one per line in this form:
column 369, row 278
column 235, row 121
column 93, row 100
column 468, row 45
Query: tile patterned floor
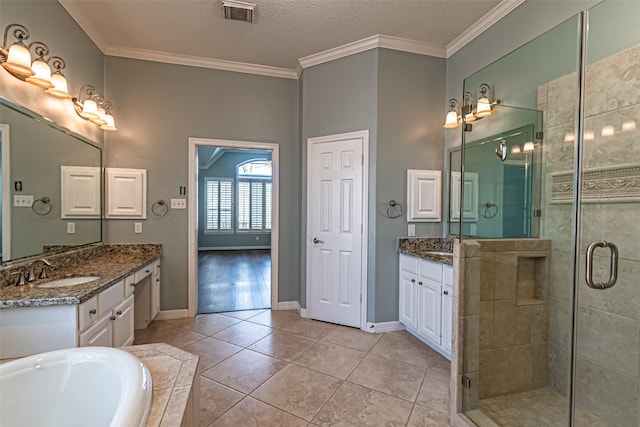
column 541, row 407
column 274, row 368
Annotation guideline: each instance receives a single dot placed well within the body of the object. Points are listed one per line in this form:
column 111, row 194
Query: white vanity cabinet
column 147, row 291
column 426, row 293
column 107, row 318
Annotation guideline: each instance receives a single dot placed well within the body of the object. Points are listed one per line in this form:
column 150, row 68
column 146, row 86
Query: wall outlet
column 411, row 230
column 22, row 201
column 137, row 227
column 71, row 228
column 178, row 203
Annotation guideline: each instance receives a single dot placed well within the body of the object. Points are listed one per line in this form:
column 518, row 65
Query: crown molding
column 196, row 61
column 493, row 16
column 84, row 22
column 372, row 42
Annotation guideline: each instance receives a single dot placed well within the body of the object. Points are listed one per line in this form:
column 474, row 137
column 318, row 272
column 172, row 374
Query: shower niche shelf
column 531, row 285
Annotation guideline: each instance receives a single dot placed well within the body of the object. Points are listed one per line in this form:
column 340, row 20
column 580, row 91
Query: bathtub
column 85, row 386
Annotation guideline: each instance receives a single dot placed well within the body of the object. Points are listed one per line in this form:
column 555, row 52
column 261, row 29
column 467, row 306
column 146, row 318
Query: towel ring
column 489, row 211
column 392, row 210
column 160, row 208
column 42, row 206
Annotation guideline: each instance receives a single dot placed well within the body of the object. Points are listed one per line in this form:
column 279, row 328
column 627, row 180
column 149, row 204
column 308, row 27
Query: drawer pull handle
column 93, row 311
column 119, row 312
column 113, row 317
column 132, row 284
column 146, row 271
column 413, row 280
column 420, row 283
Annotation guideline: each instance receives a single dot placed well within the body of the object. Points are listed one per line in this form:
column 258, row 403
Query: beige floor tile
column 283, row 345
column 215, row 400
column 405, row 347
column 243, row 334
column 352, row 338
column 275, row 319
column 243, row 315
column 389, row 376
column 207, row 324
column 298, row 390
column 309, row 328
column 426, row 417
column 353, row 405
column 331, row 359
column 167, row 333
column 152, row 332
column 434, row 392
column 253, row 413
column 211, row 351
column 244, row 371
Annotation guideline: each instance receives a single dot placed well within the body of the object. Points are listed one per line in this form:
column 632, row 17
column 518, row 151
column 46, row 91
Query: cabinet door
column 123, row 332
column 80, row 192
column 155, row 291
column 408, row 299
column 429, row 309
column 423, row 195
column 126, row 193
column 447, row 307
column 99, row 334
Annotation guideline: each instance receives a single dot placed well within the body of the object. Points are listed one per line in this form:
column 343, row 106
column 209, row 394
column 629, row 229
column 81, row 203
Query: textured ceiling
column 283, row 30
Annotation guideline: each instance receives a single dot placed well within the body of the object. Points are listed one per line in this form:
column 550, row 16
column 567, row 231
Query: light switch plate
column 137, row 227
column 22, row 201
column 71, row 228
column 411, row 230
column 178, row 203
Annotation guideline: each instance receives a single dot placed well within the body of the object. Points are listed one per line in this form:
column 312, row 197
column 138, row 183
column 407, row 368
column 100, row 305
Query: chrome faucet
column 43, row 273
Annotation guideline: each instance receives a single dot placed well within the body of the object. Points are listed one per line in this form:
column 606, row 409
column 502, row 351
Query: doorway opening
column 233, row 215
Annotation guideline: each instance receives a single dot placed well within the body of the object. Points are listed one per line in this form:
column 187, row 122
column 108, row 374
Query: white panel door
column 424, row 195
column 408, row 299
column 335, row 216
column 80, row 189
column 126, row 193
column 429, row 309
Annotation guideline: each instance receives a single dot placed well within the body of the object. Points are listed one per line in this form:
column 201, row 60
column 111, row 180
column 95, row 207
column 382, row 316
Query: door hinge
column 466, row 382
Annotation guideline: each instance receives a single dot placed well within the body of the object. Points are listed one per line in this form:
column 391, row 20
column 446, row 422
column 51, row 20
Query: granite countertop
column 424, row 247
column 176, row 384
column 111, row 263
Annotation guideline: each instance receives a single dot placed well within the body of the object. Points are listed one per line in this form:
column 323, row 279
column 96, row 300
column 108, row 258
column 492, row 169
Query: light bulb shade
column 101, row 119
column 470, row 117
column 608, row 130
column 59, row 89
column 111, row 123
column 515, row 149
column 42, row 76
column 451, row 120
column 89, row 109
column 528, row 147
column 19, row 60
column 483, row 108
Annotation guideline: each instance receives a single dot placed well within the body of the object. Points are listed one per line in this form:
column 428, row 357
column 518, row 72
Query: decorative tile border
column 609, row 184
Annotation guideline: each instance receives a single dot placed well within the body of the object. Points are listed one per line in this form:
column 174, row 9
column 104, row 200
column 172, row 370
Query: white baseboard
column 287, row 305
column 303, row 312
column 381, row 327
column 232, row 248
column 172, row 314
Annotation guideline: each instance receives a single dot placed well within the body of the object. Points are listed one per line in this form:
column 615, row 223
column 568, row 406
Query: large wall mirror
column 35, row 152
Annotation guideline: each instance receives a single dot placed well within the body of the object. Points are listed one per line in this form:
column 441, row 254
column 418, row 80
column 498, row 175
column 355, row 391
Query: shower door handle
column 613, row 275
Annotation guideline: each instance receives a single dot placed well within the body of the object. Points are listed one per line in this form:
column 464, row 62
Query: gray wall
column 160, row 107
column 397, row 97
column 48, row 22
column 227, row 167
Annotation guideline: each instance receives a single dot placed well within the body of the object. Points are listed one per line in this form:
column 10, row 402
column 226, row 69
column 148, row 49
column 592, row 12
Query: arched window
column 254, row 196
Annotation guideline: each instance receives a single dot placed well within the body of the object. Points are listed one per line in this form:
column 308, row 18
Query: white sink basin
column 67, row 281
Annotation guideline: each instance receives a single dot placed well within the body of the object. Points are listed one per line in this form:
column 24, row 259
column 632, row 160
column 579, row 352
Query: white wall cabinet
column 426, row 293
column 424, row 195
column 126, row 193
column 80, row 191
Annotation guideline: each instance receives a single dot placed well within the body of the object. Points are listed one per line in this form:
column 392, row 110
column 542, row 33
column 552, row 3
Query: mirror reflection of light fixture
column 467, row 109
column 483, row 108
column 452, row 116
column 608, row 130
column 569, row 137
column 629, row 125
column 589, row 135
column 528, row 147
column 515, row 149
column 90, row 105
column 501, row 151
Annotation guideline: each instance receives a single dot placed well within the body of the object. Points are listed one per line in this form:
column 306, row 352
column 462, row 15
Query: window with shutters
column 218, row 205
column 254, row 196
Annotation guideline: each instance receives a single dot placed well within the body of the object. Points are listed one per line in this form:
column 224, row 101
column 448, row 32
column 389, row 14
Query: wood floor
column 233, row 280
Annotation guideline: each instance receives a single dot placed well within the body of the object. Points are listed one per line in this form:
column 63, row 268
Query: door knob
column 316, row 240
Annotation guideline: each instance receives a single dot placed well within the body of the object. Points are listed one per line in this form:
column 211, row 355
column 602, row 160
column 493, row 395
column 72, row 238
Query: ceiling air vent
column 238, row 10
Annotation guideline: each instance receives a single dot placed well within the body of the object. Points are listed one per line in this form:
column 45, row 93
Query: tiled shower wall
column 608, row 359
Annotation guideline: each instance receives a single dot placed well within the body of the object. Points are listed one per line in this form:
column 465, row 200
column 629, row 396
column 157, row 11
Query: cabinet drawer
column 87, row 313
column 409, row 263
column 99, row 334
column 129, row 285
column 110, row 297
column 447, row 275
column 431, row 270
column 142, row 273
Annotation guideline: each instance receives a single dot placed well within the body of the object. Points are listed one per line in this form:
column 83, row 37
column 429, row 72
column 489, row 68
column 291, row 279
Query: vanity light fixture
column 60, row 88
column 90, row 105
column 483, row 109
column 528, row 147
column 16, row 58
column 515, row 149
column 40, row 67
column 452, row 116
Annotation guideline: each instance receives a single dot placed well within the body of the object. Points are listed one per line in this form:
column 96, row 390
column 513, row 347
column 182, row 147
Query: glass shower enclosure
column 552, row 332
